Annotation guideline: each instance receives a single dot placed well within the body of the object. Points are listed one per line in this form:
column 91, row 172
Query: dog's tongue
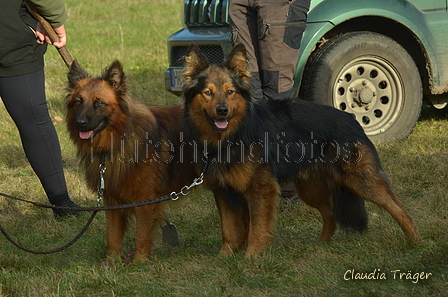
column 222, row 123
column 85, row 134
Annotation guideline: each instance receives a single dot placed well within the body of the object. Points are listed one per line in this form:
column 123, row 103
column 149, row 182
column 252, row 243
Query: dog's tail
column 349, row 211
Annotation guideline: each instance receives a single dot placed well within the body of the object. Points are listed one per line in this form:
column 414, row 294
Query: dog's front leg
column 116, row 225
column 234, row 215
column 147, row 218
column 262, row 197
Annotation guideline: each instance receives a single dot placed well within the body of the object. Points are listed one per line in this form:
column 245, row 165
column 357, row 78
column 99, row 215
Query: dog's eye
column 99, row 103
column 230, row 91
column 208, row 93
column 78, row 100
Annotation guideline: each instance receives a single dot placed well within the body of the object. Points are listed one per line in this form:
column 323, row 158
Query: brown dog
column 141, row 147
column 252, row 147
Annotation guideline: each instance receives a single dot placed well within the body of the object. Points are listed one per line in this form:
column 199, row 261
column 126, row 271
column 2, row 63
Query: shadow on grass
column 430, row 113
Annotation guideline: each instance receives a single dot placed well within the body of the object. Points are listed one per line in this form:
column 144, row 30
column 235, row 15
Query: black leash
column 87, row 225
column 172, row 196
column 80, row 234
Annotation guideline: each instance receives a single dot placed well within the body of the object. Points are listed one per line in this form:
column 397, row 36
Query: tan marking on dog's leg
column 234, row 224
column 383, row 196
column 147, row 218
column 329, row 225
column 116, row 224
column 367, row 180
column 262, row 197
column 404, row 220
column 315, row 193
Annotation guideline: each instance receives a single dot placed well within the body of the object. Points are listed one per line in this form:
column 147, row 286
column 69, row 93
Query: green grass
column 135, row 32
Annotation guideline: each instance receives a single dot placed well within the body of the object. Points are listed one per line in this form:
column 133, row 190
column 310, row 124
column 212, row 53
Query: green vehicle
column 379, row 60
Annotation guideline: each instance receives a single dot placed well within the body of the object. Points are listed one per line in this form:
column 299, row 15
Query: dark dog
column 137, row 144
column 252, row 147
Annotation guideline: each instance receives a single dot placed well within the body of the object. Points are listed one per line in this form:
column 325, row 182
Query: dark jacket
column 19, row 52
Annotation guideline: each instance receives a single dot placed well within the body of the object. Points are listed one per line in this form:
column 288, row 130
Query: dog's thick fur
column 253, row 147
column 141, row 149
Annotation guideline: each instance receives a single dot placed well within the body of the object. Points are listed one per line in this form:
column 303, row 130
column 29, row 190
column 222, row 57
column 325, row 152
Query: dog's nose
column 222, row 110
column 81, row 122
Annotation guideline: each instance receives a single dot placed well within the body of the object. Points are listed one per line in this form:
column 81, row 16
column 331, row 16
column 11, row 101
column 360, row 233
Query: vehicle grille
column 214, row 54
column 206, row 12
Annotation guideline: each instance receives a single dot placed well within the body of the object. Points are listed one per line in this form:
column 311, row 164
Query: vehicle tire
column 370, row 76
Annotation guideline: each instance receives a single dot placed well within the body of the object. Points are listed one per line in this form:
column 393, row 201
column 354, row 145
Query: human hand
column 62, row 37
column 42, row 37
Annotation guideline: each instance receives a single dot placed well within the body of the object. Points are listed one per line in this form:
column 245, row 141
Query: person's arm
column 54, row 12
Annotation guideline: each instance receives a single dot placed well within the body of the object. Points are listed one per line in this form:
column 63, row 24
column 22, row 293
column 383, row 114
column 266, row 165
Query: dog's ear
column 116, row 78
column 238, row 63
column 195, row 62
column 75, row 74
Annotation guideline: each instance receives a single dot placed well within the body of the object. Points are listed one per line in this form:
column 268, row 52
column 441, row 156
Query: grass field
column 135, row 32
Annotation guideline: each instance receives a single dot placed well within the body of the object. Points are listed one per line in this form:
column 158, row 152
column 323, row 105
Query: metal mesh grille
column 214, row 54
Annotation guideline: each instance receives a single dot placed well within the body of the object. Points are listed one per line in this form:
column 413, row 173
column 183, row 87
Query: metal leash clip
column 101, row 186
column 186, row 189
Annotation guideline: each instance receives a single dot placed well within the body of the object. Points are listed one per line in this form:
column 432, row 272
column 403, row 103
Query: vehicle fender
column 327, row 14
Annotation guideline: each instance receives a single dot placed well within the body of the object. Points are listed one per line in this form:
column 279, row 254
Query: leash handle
column 52, row 35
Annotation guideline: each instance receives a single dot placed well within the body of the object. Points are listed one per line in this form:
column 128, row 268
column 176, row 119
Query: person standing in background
column 271, row 31
column 23, row 44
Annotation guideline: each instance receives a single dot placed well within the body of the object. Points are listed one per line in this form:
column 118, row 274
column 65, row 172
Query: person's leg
column 244, row 28
column 281, row 25
column 280, row 28
column 24, row 98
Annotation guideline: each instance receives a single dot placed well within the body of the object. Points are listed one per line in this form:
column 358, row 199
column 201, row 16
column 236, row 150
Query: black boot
column 289, row 194
column 62, row 214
